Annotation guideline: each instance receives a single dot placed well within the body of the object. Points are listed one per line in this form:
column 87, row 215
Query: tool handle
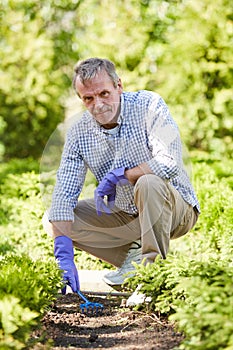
column 82, row 296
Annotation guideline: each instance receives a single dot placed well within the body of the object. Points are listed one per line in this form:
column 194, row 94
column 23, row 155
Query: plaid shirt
column 146, row 132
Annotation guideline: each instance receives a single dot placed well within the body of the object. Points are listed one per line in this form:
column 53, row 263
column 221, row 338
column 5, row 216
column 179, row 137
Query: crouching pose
column 144, row 197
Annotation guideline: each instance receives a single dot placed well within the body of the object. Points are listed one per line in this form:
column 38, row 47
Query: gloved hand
column 107, row 187
column 64, row 253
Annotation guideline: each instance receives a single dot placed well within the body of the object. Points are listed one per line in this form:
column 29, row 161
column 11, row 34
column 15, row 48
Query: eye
column 104, row 93
column 87, row 99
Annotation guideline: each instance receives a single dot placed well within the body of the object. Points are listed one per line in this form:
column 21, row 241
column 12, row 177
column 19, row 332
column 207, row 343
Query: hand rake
column 89, row 307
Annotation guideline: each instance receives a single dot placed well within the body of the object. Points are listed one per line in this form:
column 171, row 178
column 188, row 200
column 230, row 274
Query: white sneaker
column 137, row 298
column 117, row 277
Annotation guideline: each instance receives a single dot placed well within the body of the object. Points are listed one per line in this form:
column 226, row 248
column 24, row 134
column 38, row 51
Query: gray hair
column 89, row 68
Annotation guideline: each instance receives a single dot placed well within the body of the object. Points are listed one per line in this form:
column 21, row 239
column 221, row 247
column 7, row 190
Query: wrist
column 61, row 228
column 63, row 248
column 131, row 175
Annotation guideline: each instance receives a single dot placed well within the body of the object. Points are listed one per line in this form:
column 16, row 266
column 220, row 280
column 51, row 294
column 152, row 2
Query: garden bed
column 117, row 328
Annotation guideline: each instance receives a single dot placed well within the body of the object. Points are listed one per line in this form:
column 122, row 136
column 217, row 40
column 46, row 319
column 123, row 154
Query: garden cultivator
column 89, row 307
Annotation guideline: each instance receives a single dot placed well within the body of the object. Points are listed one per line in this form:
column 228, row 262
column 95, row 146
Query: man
column 144, row 197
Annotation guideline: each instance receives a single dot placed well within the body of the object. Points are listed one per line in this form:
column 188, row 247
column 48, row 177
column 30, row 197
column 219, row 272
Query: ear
column 120, row 86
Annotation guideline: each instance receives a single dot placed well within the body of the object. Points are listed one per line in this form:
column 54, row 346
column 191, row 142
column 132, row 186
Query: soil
column 64, row 326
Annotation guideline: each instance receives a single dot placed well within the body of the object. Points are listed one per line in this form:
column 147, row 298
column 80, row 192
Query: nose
column 97, row 103
column 97, row 100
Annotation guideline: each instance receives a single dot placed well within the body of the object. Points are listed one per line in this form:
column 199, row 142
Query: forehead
column 99, row 83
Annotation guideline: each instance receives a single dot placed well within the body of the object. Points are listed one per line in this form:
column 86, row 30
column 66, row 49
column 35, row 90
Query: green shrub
column 34, row 283
column 29, row 83
column 194, row 284
column 212, row 235
column 206, row 314
column 18, row 166
column 27, row 289
column 197, row 295
column 16, row 323
column 22, row 208
column 21, row 214
column 24, row 186
column 158, row 281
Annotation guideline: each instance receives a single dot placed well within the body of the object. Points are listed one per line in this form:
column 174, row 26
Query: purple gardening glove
column 107, row 187
column 64, row 253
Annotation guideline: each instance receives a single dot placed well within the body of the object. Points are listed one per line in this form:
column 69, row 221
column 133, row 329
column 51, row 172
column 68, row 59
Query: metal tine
column 91, row 308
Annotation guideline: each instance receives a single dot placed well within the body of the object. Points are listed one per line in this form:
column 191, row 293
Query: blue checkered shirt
column 146, row 132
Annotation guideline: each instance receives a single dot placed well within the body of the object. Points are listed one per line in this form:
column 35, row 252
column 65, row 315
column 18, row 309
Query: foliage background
column 183, row 50
column 180, row 48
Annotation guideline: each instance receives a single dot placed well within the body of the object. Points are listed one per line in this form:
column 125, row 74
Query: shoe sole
column 110, row 283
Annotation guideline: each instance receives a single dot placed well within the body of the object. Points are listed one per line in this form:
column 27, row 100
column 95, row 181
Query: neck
column 109, row 126
column 113, row 123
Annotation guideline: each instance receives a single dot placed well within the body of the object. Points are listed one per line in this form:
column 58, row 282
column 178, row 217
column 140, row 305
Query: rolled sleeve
column 70, row 179
column 164, row 140
column 164, row 166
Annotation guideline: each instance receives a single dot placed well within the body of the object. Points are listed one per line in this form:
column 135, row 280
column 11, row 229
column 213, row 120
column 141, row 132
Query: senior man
column 144, row 197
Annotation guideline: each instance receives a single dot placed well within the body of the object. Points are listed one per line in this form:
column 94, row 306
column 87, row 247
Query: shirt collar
column 121, row 115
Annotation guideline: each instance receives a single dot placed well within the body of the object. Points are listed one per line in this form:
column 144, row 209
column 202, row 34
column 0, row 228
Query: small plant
column 16, row 323
column 206, row 314
column 27, row 289
column 34, row 283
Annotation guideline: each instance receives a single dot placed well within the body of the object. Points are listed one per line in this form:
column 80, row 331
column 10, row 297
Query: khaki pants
column 163, row 215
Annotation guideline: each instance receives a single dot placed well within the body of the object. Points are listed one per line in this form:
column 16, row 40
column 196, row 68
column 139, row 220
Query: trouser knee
column 150, row 185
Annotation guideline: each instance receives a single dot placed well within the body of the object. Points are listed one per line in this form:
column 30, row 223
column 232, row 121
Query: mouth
column 101, row 112
column 102, row 109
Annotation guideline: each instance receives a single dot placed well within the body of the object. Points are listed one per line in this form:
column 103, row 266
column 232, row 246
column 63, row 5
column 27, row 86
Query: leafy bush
column 29, row 83
column 197, row 295
column 18, row 166
column 159, row 280
column 206, row 314
column 27, row 288
column 200, row 70
column 21, row 213
column 41, row 42
column 24, row 186
column 194, row 284
column 34, row 283
column 29, row 279
column 15, row 323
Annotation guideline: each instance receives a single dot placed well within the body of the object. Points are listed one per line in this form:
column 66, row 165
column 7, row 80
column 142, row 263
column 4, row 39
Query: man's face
column 101, row 97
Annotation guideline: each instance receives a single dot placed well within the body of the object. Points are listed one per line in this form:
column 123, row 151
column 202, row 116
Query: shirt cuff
column 61, row 214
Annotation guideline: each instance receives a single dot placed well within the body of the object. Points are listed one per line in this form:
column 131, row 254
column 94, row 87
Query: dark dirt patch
column 117, row 328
